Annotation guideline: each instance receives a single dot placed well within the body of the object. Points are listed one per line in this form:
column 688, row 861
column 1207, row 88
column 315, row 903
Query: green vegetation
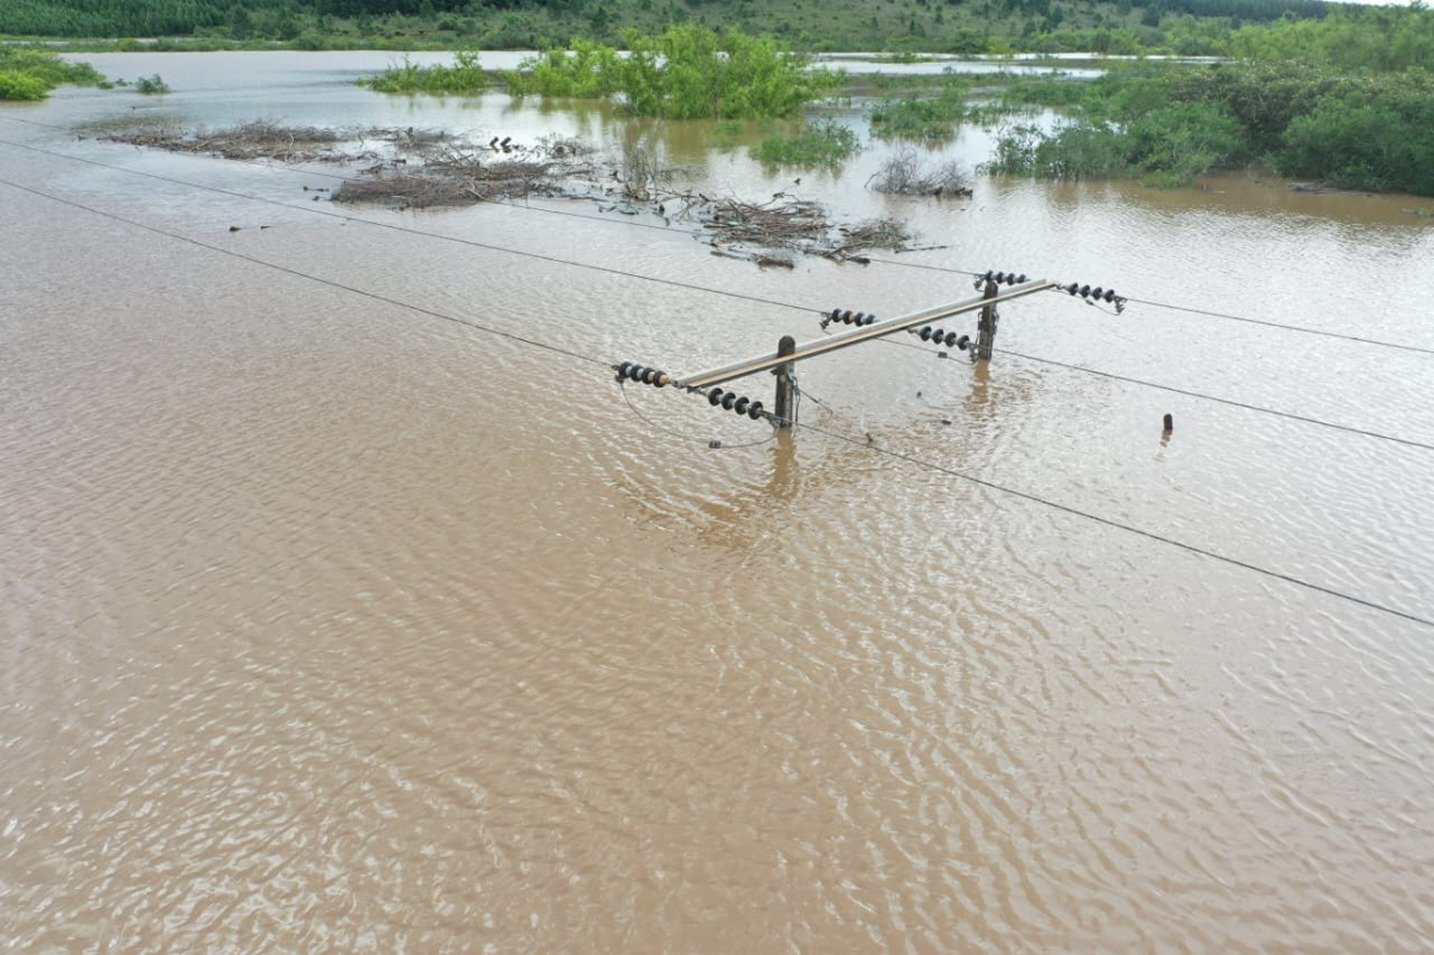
column 1375, row 38
column 1366, row 131
column 815, row 144
column 931, row 119
column 688, row 72
column 27, row 74
column 464, row 76
column 15, row 85
column 151, row 85
column 897, row 26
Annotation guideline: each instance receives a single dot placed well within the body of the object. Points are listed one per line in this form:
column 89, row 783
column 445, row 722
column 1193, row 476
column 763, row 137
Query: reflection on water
column 327, row 625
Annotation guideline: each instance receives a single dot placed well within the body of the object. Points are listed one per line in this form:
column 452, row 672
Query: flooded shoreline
column 330, row 624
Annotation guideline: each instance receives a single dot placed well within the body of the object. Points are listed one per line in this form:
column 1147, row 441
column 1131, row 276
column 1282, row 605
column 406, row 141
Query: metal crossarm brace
column 741, row 369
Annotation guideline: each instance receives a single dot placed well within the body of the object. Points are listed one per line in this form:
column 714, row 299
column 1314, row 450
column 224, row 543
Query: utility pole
column 986, row 326
column 786, row 404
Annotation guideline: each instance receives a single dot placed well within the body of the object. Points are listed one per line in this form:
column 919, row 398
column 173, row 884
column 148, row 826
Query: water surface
column 330, row 624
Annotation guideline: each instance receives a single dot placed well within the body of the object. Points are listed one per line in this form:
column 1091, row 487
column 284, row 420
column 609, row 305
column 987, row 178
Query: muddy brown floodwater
column 331, row 625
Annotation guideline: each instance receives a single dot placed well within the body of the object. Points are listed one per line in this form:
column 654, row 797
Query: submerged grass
column 924, row 119
column 827, row 143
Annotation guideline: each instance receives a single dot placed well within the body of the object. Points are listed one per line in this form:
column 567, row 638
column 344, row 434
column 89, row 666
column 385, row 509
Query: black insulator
column 859, row 318
column 1110, row 295
column 846, row 317
column 951, row 339
column 714, row 397
column 1022, row 279
column 1085, row 291
column 1071, row 288
column 754, row 410
column 937, row 334
column 1097, row 292
column 728, row 400
column 835, row 315
column 989, row 275
column 649, row 375
column 870, row 320
column 636, row 372
column 661, row 379
column 1000, row 277
column 741, row 406
column 622, row 369
column 964, row 342
column 926, row 334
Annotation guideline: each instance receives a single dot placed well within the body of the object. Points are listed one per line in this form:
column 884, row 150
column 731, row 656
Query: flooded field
column 327, row 623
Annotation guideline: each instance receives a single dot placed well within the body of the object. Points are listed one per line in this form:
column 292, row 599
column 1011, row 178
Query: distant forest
column 286, row 19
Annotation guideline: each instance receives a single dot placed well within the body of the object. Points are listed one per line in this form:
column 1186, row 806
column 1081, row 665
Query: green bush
column 1359, row 130
column 464, row 76
column 48, row 68
column 150, row 85
column 1180, row 142
column 689, row 72
column 815, row 144
column 15, row 85
column 1360, row 145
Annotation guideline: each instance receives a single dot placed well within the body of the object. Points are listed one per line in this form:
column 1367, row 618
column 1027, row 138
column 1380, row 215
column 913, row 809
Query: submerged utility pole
column 786, row 408
column 986, row 326
column 865, row 328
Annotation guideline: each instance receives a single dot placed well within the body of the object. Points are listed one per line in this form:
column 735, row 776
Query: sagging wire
column 711, row 443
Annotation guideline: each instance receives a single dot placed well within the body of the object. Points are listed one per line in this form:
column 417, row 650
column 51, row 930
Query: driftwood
column 905, row 174
column 781, row 222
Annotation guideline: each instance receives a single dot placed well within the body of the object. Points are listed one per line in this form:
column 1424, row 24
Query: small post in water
column 786, row 403
column 986, row 327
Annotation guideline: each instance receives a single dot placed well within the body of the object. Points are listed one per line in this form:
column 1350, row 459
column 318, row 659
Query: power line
column 398, row 228
column 1024, row 495
column 1224, row 401
column 1109, row 522
column 1301, row 329
column 557, row 349
column 691, row 287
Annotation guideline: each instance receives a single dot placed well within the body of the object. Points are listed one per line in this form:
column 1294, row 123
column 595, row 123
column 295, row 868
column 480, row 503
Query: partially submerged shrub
column 151, row 85
column 15, row 85
column 463, row 76
column 1168, row 147
column 815, row 144
column 1084, row 150
column 689, row 72
column 48, row 68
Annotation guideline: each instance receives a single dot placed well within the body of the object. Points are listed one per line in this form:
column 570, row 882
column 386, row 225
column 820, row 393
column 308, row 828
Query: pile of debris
column 904, row 174
column 454, row 178
column 250, row 141
column 412, row 168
